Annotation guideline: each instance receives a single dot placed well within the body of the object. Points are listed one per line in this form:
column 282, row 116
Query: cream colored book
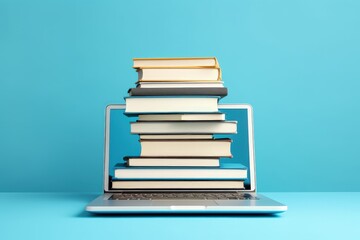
column 186, row 148
column 176, row 136
column 226, row 171
column 179, row 74
column 183, row 117
column 171, row 162
column 190, row 184
column 202, row 84
column 171, row 105
column 194, row 62
column 184, row 127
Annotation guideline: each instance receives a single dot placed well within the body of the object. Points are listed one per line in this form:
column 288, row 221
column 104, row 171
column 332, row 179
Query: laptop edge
column 262, row 204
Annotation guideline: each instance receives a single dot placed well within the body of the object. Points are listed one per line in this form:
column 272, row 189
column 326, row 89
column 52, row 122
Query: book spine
column 219, row 91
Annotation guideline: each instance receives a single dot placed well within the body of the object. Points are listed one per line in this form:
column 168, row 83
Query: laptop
column 245, row 200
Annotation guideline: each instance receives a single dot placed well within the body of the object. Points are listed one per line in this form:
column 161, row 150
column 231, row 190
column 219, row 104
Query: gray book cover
column 221, row 92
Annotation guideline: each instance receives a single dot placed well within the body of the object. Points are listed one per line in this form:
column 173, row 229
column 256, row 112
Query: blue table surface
column 62, row 216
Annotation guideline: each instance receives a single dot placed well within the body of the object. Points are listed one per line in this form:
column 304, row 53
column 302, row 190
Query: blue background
column 296, row 62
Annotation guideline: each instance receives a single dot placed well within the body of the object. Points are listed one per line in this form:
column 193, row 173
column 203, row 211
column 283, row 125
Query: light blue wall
column 296, row 62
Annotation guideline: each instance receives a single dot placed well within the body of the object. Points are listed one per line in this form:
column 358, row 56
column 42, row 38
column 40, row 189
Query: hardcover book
column 226, row 171
column 194, row 62
column 183, row 127
column 186, row 148
column 202, row 84
column 176, row 136
column 171, row 104
column 182, row 117
column 179, row 74
column 221, row 92
column 172, row 162
column 176, row 184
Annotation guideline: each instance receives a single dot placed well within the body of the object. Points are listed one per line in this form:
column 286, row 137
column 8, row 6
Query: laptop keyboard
column 183, row 196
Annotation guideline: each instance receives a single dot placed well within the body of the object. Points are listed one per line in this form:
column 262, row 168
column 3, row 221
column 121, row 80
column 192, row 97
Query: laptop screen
column 120, row 142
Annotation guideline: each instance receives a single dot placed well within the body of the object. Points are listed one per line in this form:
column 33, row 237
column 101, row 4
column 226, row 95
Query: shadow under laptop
column 85, row 214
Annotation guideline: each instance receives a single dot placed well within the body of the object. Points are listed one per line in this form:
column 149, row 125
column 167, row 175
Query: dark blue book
column 217, row 91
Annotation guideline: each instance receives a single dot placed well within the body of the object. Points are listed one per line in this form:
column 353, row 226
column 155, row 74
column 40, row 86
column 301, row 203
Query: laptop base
column 258, row 205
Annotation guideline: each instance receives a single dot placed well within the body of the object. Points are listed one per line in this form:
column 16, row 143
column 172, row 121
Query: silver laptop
column 119, row 143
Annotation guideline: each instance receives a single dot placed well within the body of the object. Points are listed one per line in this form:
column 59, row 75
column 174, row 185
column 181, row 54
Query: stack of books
column 176, row 102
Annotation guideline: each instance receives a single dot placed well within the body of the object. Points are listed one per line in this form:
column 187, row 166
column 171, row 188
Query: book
column 179, row 74
column 171, row 162
column 202, row 84
column 181, row 127
column 182, row 117
column 177, row 136
column 171, row 104
column 226, row 171
column 221, row 92
column 186, row 148
column 175, row 184
column 176, row 62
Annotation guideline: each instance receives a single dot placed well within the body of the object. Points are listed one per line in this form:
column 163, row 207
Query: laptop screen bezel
column 252, row 171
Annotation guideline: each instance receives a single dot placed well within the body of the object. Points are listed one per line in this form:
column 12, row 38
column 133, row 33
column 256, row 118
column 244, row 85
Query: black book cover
column 221, row 92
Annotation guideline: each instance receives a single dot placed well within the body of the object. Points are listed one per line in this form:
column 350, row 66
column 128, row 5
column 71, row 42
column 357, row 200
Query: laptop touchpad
column 183, row 203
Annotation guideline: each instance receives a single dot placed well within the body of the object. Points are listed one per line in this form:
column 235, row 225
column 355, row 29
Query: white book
column 176, row 62
column 179, row 74
column 174, row 184
column 176, row 136
column 226, row 171
column 181, row 127
column 172, row 162
column 186, row 148
column 183, row 117
column 203, row 84
column 171, row 105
